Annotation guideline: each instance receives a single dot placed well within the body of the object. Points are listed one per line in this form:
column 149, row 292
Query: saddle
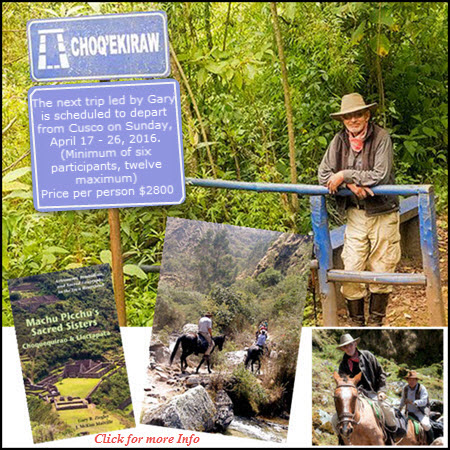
column 202, row 344
column 395, row 433
column 401, row 429
column 438, row 427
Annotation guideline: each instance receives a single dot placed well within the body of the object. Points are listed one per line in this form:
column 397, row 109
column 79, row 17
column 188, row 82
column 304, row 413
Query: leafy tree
column 215, row 264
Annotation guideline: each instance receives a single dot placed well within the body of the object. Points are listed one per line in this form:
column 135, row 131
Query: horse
column 357, row 422
column 254, row 354
column 189, row 345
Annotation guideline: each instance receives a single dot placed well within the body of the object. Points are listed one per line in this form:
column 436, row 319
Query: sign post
column 99, row 47
column 104, row 145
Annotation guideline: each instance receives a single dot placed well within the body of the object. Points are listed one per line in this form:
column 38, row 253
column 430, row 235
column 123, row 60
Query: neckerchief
column 357, row 142
column 353, row 359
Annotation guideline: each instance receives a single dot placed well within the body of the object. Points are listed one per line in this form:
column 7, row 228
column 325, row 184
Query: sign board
column 99, row 47
column 106, row 145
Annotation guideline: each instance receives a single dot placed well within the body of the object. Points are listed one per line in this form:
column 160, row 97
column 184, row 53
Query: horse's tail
column 175, row 349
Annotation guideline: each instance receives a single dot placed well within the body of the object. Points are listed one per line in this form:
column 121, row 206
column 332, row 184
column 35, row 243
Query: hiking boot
column 377, row 309
column 356, row 312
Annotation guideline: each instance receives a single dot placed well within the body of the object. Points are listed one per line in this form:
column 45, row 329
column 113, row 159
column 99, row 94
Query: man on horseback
column 373, row 378
column 261, row 341
column 205, row 330
column 415, row 398
column 354, row 361
column 262, row 326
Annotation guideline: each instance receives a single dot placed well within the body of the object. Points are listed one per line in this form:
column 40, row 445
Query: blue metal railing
column 306, row 189
column 324, row 252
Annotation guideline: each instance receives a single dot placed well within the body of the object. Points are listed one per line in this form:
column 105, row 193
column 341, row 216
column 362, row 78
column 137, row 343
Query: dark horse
column 254, row 354
column 189, row 345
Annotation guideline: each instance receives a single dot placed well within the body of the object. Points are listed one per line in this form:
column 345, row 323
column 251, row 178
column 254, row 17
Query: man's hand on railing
column 360, row 191
column 335, row 181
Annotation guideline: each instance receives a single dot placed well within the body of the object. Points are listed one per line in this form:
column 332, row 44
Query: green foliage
column 113, row 391
column 231, row 310
column 270, row 277
column 41, row 412
column 216, row 264
column 393, row 53
column 246, row 393
column 45, row 423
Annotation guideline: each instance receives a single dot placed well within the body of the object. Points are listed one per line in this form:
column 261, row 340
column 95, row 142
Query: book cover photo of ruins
column 71, row 353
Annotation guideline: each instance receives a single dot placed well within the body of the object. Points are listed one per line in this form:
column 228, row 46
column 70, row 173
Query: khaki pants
column 208, row 338
column 371, row 243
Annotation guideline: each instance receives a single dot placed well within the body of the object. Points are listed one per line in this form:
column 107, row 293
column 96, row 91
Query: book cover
column 71, row 353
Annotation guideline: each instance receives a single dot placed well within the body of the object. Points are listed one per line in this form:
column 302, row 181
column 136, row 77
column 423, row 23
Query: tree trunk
column 287, row 102
column 192, row 130
column 226, row 27
column 208, row 25
column 197, row 112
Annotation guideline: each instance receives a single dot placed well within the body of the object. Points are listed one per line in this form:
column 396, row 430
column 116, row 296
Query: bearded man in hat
column 359, row 157
column 415, row 398
column 373, row 379
column 205, row 330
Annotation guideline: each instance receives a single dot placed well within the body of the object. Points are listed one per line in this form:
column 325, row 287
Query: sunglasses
column 356, row 115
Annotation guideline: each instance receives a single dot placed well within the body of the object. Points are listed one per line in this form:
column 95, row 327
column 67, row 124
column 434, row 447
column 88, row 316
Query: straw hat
column 412, row 374
column 347, row 339
column 351, row 103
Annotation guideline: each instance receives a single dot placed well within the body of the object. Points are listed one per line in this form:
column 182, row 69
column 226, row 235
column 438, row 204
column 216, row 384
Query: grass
column 94, row 420
column 76, row 387
column 128, row 409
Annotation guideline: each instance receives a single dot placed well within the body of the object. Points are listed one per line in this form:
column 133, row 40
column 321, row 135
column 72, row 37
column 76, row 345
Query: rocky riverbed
column 198, row 402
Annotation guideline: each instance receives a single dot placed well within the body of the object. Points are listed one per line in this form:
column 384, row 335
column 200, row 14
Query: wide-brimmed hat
column 412, row 374
column 351, row 103
column 346, row 339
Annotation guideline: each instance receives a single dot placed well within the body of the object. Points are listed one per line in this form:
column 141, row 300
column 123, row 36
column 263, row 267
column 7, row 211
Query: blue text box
column 99, row 47
column 106, row 145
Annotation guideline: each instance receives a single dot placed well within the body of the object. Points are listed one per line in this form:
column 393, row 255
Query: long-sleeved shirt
column 372, row 166
column 261, row 339
column 379, row 174
column 411, row 395
column 373, row 376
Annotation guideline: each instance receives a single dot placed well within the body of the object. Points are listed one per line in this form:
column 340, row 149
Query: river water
column 258, row 429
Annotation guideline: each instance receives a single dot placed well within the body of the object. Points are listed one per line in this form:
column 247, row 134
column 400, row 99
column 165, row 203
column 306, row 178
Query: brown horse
column 357, row 422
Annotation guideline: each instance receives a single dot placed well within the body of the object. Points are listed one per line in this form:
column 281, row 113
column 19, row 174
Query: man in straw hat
column 373, row 379
column 415, row 398
column 359, row 157
column 205, row 330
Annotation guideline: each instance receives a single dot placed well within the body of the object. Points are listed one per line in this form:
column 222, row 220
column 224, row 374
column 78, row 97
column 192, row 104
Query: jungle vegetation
column 258, row 82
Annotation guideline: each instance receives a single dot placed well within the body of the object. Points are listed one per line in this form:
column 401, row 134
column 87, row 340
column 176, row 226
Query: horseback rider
column 261, row 341
column 415, row 398
column 205, row 330
column 373, row 379
column 262, row 326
